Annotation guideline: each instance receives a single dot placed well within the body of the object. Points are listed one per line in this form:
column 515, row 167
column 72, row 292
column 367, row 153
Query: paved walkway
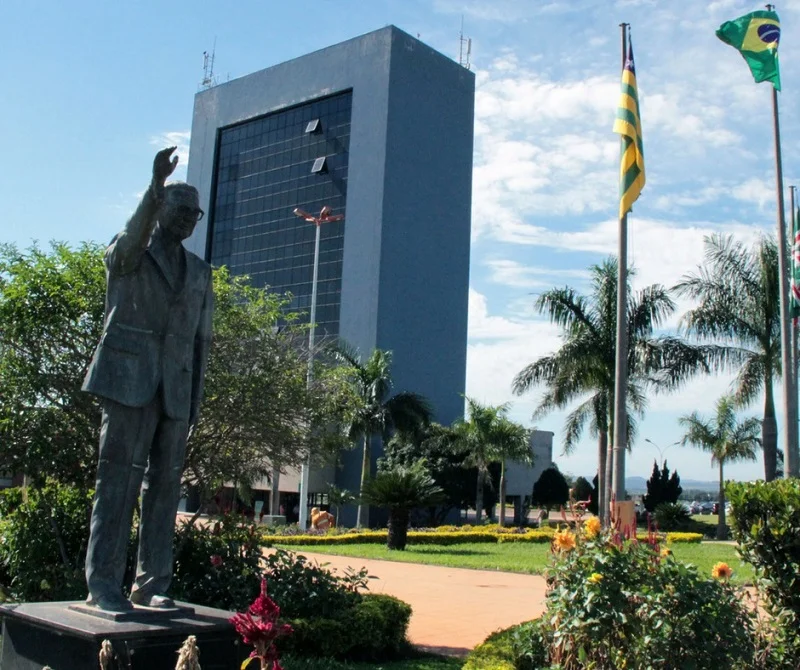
column 454, row 609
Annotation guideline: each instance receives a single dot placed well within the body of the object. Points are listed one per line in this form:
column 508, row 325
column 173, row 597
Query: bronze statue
column 148, row 370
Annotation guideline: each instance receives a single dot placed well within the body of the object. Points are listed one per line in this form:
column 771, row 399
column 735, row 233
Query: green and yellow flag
column 756, row 36
column 629, row 125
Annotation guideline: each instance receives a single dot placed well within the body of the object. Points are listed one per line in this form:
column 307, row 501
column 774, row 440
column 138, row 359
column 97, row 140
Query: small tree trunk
column 609, row 475
column 362, row 516
column 503, row 492
column 479, row 498
column 397, row 536
column 769, row 430
column 722, row 529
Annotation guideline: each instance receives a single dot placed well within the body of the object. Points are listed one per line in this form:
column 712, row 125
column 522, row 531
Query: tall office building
column 380, row 129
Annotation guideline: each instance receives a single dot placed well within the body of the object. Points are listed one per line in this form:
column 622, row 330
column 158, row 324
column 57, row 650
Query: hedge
column 374, row 630
column 494, row 653
column 414, row 537
column 684, row 538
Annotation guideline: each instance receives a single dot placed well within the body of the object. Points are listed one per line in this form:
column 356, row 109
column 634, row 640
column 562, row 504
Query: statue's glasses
column 186, row 212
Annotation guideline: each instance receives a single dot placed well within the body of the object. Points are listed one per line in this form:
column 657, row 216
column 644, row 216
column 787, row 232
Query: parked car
column 695, row 507
column 707, row 507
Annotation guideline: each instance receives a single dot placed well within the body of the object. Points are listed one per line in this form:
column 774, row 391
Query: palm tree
column 487, row 436
column 377, row 414
column 726, row 439
column 739, row 308
column 401, row 489
column 583, row 368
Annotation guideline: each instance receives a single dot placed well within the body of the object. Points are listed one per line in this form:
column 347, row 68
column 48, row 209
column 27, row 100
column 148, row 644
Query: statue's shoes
column 110, row 603
column 162, row 602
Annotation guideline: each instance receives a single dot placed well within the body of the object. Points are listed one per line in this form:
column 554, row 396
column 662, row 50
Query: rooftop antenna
column 463, row 58
column 209, row 79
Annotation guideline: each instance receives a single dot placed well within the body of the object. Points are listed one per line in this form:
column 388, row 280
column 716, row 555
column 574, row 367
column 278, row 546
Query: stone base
column 138, row 613
column 64, row 637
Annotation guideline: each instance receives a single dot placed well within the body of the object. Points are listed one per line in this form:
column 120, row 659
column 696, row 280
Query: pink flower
column 216, row 560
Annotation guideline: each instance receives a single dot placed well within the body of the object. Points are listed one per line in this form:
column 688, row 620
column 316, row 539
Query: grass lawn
column 424, row 663
column 526, row 558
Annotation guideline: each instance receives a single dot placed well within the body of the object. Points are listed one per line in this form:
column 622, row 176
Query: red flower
column 260, row 627
column 216, row 560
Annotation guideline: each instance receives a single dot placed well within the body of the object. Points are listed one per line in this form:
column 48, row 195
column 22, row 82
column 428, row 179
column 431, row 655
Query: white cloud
column 514, row 274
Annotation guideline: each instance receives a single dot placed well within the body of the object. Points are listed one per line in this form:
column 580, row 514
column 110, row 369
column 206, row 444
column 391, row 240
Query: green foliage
column 305, row 590
column 616, row 604
column 43, row 543
column 417, row 661
column 739, row 312
column 217, row 566
column 551, row 489
column 684, row 538
column 373, row 629
column 496, row 652
column 257, row 406
column 671, row 516
column 483, row 535
column 51, row 318
column 662, row 487
column 766, row 524
column 582, row 490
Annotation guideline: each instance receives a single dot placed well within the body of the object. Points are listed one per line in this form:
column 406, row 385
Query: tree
column 376, row 414
column 551, row 489
column 739, row 308
column 582, row 490
column 583, row 369
column 487, row 436
column 662, row 487
column 337, row 498
column 51, row 319
column 258, row 409
column 726, row 439
column 401, row 489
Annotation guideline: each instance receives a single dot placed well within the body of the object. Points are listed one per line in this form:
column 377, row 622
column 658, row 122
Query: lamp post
column 661, row 451
column 325, row 216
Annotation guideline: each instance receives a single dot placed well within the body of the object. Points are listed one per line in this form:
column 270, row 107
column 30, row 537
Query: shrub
column 671, row 516
column 684, row 538
column 217, row 566
column 766, row 524
column 614, row 603
column 43, row 543
column 373, row 629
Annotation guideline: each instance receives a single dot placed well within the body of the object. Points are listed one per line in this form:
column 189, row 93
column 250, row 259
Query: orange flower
column 721, row 571
column 592, row 526
column 666, row 551
column 564, row 540
column 596, row 578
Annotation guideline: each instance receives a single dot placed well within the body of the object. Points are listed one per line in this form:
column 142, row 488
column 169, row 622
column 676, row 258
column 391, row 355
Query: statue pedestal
column 65, row 638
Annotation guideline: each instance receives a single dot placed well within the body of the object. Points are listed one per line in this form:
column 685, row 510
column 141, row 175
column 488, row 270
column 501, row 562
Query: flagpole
column 794, row 322
column 790, row 459
column 621, row 367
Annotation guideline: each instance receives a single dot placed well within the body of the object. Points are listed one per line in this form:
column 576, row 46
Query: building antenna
column 209, row 79
column 463, row 58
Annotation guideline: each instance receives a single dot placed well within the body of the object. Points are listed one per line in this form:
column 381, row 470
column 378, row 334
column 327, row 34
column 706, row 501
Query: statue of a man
column 148, row 370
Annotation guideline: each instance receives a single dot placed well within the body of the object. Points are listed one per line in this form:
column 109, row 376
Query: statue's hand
column 163, row 166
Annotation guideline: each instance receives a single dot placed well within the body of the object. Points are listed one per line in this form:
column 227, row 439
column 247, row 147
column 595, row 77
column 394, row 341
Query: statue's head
column 180, row 211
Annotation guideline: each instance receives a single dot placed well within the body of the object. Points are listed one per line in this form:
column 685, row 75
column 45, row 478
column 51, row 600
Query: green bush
column 373, row 629
column 766, row 524
column 497, row 652
column 671, row 516
column 684, row 538
column 43, row 543
column 614, row 604
column 305, row 590
column 217, row 566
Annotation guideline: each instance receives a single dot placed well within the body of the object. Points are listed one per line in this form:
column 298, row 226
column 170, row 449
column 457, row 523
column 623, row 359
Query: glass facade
column 263, row 171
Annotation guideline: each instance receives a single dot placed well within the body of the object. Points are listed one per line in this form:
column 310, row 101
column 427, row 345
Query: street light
column 325, row 216
column 661, row 451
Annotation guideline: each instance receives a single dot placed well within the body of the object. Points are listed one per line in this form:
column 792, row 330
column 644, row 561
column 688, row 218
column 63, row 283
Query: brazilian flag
column 756, row 36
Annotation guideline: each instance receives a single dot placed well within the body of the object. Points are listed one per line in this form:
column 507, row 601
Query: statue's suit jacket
column 157, row 324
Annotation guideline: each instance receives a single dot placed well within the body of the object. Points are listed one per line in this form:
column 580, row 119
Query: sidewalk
column 454, row 609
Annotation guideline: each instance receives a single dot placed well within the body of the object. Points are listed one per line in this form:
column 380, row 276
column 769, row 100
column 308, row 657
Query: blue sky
column 91, row 89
